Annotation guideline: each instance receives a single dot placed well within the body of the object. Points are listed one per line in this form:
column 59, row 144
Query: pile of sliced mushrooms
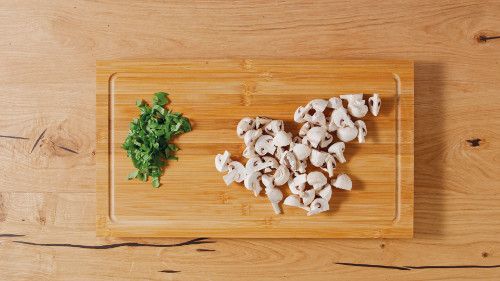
column 276, row 157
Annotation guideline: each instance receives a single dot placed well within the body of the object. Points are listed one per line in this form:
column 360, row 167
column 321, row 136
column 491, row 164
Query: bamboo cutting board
column 193, row 200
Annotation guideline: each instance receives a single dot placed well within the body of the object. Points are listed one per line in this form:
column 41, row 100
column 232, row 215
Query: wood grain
column 215, row 95
column 47, row 77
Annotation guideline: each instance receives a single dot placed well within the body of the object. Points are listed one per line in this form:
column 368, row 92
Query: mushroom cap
column 316, row 179
column 374, row 103
column 317, row 158
column 340, row 118
column 317, row 206
column 315, row 135
column 318, row 118
column 361, row 130
column 264, row 145
column 308, row 196
column 244, row 125
column 326, row 192
column 357, row 108
column 330, row 125
column 221, row 161
column 274, row 126
column 352, row 97
column 252, row 180
column 338, row 149
column 327, row 139
column 304, row 129
column 249, row 152
column 292, row 200
column 261, row 121
column 289, row 160
column 240, row 170
column 301, row 151
column 252, row 164
column 343, row 181
column 300, row 114
column 272, row 160
column 334, row 102
column 251, row 136
column 281, row 175
column 298, row 183
column 347, row 134
column 318, row 104
column 281, row 139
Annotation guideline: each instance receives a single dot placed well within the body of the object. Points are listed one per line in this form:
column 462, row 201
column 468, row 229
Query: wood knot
column 474, row 142
column 382, row 246
column 484, row 254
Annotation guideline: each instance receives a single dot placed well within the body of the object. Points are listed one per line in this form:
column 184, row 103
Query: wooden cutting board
column 193, row 200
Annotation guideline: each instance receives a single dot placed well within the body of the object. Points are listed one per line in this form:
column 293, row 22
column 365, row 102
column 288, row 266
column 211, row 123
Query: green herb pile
column 148, row 140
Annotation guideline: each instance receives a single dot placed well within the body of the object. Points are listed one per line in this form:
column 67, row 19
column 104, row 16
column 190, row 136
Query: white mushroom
column 334, row 103
column 318, row 104
column 307, row 196
column 251, row 182
column 275, row 196
column 340, row 118
column 318, row 118
column 347, row 134
column 329, row 165
column 274, row 126
column 374, row 103
column 267, row 181
column 300, row 114
column 281, row 176
column 343, row 181
column 361, row 130
column 244, row 126
column 304, row 129
column 272, row 161
column 316, row 179
column 281, row 139
column 317, row 206
column 249, row 152
column 253, row 164
column 352, row 97
column 240, row 170
column 327, row 139
column 251, row 136
column 221, row 161
column 298, row 183
column 317, row 157
column 279, row 152
column 289, row 160
column 294, row 201
column 326, row 192
column 330, row 125
column 264, row 145
column 261, row 121
column 338, row 150
column 315, row 135
column 302, row 166
column 296, row 140
column 301, row 151
column 357, row 108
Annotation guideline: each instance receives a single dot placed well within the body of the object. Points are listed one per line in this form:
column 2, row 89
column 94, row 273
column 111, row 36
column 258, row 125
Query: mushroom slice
column 304, row 129
column 296, row 140
column 249, row 152
column 294, row 201
column 316, row 179
column 251, row 182
column 267, row 181
column 251, row 136
column 338, row 150
column 275, row 196
column 374, row 104
column 343, row 181
column 307, row 196
column 261, row 121
column 300, row 114
column 347, row 134
column 317, row 158
column 352, row 97
column 289, row 160
column 318, row 104
column 221, row 161
column 230, row 177
column 361, row 130
column 281, row 139
column 298, row 183
column 302, row 166
column 252, row 164
column 329, row 165
column 274, row 126
column 317, row 206
column 315, row 135
column 327, row 139
column 340, row 118
column 326, row 192
column 264, row 145
column 301, row 151
column 334, row 102
column 318, row 118
column 281, row 175
column 330, row 125
column 273, row 163
column 244, row 126
column 240, row 170
column 357, row 108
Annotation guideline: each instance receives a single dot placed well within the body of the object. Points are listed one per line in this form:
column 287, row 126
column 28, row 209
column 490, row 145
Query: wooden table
column 47, row 81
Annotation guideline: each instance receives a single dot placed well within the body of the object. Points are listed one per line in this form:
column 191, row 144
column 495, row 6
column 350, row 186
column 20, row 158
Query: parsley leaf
column 148, row 140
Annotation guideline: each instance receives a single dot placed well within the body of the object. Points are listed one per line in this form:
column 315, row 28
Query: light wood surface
column 215, row 95
column 47, row 79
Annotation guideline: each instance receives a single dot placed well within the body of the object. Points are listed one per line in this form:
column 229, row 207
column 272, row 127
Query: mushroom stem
column 276, row 208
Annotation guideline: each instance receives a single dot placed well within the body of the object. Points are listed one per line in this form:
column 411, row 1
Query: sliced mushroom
column 329, row 165
column 264, row 145
column 294, row 201
column 326, row 192
column 267, row 181
column 273, row 163
column 343, row 181
column 316, row 179
column 281, row 139
column 334, row 103
column 249, row 152
column 357, row 108
column 318, row 104
column 279, row 152
column 274, row 126
column 330, row 125
column 298, row 183
column 240, row 170
column 252, row 182
column 253, row 164
column 296, row 140
column 230, row 177
column 374, row 104
column 315, row 135
column 338, row 150
column 289, row 160
column 352, row 97
column 275, row 196
column 261, row 121
column 317, row 206
column 347, row 134
column 317, row 157
column 301, row 151
column 244, row 126
column 318, row 118
column 304, row 129
column 327, row 139
column 307, row 196
column 361, row 130
column 221, row 161
column 251, row 136
column 281, row 176
column 340, row 118
column 300, row 114
column 302, row 166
